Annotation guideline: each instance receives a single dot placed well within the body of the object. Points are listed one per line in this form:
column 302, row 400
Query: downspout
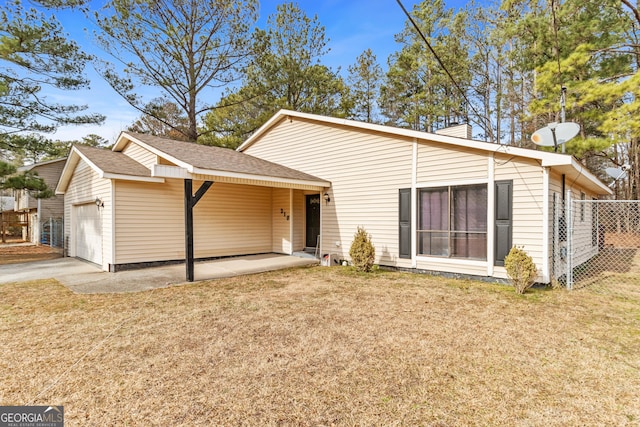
column 491, row 215
column 546, row 212
column 569, row 225
column 113, row 225
column 414, row 203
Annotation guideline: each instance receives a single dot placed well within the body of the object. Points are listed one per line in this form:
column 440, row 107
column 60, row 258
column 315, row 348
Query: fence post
column 569, row 225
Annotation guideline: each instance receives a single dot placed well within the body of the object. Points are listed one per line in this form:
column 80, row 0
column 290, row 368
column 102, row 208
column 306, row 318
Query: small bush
column 362, row 251
column 521, row 269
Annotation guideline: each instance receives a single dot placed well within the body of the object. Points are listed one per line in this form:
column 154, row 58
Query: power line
column 455, row 83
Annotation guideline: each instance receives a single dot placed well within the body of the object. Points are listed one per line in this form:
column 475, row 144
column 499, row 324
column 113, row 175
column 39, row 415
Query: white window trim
column 454, row 183
column 452, row 261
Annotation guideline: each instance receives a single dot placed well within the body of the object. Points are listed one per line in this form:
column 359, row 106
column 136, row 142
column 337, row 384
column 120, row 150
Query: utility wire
column 455, row 83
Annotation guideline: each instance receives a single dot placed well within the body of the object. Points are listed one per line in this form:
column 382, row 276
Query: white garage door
column 88, row 232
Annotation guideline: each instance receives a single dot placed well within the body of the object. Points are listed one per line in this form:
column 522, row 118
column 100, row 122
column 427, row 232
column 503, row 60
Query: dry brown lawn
column 10, row 254
column 321, row 347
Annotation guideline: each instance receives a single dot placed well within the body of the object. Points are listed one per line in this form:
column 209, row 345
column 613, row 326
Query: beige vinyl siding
column 366, row 170
column 460, row 131
column 528, row 212
column 557, row 266
column 228, row 220
column 438, row 164
column 232, row 220
column 583, row 248
column 85, row 186
column 280, row 210
column 140, row 155
column 163, row 161
column 254, row 182
column 582, row 228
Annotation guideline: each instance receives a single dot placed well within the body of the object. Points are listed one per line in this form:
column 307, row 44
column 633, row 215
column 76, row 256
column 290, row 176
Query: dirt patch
column 15, row 254
column 622, row 240
column 320, row 347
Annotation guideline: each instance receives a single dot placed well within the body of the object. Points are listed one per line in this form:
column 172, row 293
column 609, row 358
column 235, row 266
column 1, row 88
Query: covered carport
column 152, row 201
column 200, row 168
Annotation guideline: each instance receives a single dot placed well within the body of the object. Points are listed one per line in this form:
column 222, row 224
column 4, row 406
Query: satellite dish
column 543, row 137
column 555, row 134
column 566, row 132
column 616, row 173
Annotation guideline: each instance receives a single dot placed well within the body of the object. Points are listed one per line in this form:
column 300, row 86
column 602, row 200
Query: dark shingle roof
column 220, row 159
column 112, row 162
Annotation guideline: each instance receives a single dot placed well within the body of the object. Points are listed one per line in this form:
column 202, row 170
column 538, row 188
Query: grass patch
column 318, row 346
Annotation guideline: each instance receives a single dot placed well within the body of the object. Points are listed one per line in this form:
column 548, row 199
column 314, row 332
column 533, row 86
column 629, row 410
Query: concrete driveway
column 83, row 277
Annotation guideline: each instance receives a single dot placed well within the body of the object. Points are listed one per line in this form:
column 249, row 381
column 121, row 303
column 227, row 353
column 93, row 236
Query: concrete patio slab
column 83, row 277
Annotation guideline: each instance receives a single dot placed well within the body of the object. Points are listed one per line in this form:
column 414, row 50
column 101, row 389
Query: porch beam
column 190, row 201
column 203, row 189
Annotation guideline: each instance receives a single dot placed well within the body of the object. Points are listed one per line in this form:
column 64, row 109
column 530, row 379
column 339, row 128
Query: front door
column 313, row 220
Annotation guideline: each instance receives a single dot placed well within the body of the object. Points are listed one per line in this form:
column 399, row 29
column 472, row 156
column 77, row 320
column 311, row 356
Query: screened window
column 453, row 222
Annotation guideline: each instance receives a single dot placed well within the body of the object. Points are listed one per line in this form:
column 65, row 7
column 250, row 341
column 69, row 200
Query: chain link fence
column 595, row 242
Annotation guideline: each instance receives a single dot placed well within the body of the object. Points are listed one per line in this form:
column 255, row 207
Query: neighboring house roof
column 563, row 163
column 49, row 171
column 216, row 161
column 106, row 163
column 36, row 165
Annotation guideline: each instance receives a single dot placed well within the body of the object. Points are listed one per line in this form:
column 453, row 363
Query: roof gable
column 215, row 161
column 106, row 163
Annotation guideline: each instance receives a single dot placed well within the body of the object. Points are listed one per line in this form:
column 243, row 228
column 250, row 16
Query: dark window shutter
column 405, row 223
column 503, row 224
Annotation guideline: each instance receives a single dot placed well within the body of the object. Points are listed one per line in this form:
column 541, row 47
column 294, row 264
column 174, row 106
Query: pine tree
column 187, row 49
column 285, row 73
column 364, row 86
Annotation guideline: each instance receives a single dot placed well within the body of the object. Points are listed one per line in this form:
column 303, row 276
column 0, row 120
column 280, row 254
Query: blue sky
column 350, row 25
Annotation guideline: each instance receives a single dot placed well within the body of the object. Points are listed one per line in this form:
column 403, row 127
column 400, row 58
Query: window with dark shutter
column 405, row 222
column 503, row 221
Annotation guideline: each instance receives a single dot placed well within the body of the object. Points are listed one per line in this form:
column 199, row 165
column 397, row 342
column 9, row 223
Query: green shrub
column 521, row 269
column 362, row 251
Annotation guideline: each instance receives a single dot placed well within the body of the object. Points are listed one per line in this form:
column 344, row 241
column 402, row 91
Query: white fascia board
column 214, row 173
column 121, row 142
column 72, row 161
column 582, row 170
column 153, row 150
column 65, row 175
column 132, row 177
